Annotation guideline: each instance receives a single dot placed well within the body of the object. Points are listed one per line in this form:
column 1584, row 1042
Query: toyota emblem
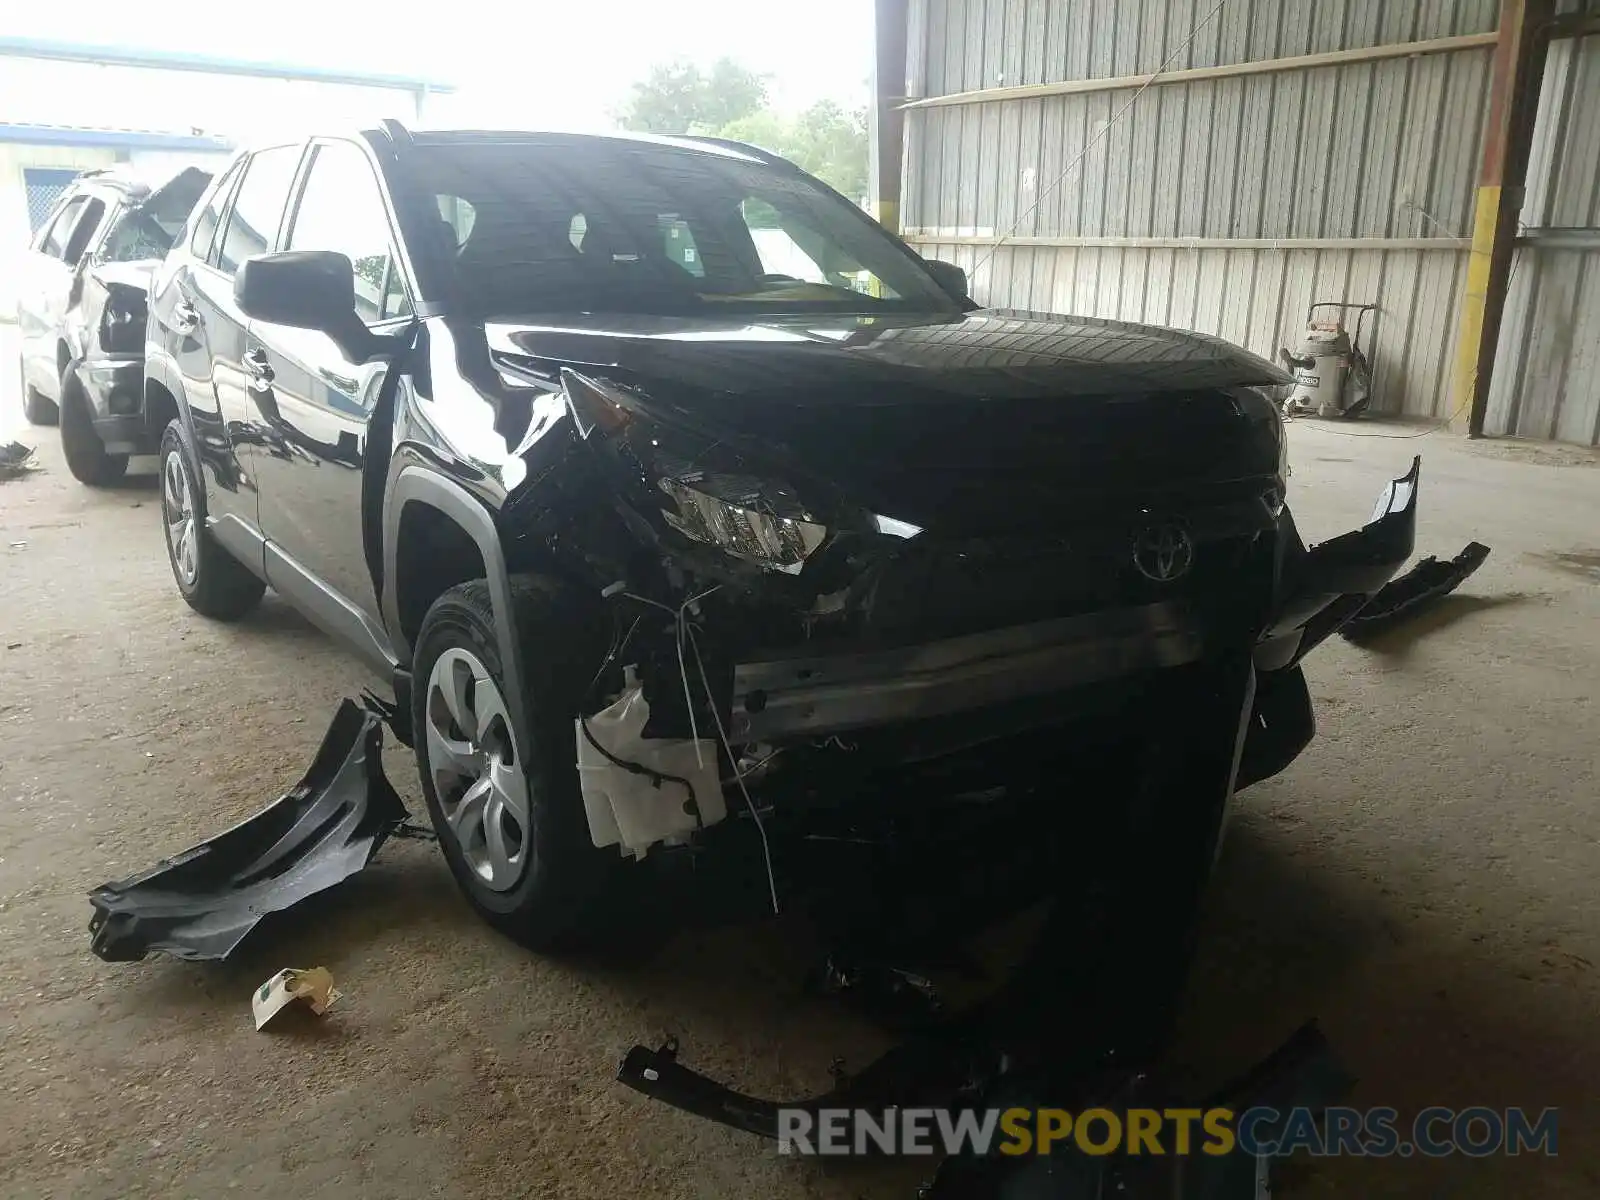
column 1163, row 552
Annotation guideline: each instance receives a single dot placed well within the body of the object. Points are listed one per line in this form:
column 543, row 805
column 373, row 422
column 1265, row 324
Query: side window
column 94, row 211
column 205, row 221
column 679, row 244
column 458, row 214
column 341, row 209
column 780, row 253
column 790, row 249
column 258, row 208
column 395, row 301
column 55, row 242
column 52, row 221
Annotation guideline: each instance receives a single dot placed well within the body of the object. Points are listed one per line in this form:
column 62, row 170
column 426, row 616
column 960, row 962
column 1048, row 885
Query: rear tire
column 518, row 847
column 215, row 584
column 35, row 407
column 84, row 451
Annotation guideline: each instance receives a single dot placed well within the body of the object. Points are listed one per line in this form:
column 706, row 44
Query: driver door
column 317, row 405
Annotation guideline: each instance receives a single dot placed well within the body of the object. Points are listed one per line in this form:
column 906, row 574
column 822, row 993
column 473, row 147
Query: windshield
column 619, row 227
column 148, row 230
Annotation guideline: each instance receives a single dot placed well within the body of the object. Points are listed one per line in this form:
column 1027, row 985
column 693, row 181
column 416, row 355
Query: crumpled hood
column 135, row 275
column 988, row 354
column 972, row 422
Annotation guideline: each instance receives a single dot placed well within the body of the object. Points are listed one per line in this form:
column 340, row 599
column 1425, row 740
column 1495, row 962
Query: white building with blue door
column 69, row 107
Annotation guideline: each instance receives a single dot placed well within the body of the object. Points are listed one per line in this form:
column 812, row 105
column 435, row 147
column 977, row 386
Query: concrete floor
column 1423, row 879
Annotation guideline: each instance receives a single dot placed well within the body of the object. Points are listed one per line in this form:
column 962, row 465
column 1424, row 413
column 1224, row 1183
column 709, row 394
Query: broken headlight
column 675, row 479
column 1259, row 406
column 761, row 523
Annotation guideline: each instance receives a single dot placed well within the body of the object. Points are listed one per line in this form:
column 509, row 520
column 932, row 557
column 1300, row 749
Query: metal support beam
column 1260, row 66
column 1555, row 237
column 1518, row 71
column 927, row 237
column 886, row 130
column 1576, row 25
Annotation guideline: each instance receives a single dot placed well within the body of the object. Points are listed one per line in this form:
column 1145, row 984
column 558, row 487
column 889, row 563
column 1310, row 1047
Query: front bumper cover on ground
column 200, row 904
column 1412, row 592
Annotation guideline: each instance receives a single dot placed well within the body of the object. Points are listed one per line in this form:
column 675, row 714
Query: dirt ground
column 1423, row 880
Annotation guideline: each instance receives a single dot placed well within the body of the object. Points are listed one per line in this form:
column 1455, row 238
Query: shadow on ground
column 1420, row 1017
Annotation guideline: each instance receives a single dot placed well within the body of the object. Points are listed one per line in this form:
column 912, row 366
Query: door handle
column 344, row 383
column 184, row 317
column 259, row 369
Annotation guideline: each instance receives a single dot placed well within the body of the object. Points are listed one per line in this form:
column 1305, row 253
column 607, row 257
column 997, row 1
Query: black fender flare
column 417, row 484
column 158, row 368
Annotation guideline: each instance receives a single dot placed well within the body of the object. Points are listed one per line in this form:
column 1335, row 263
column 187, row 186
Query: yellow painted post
column 1514, row 84
column 887, row 124
column 1474, row 301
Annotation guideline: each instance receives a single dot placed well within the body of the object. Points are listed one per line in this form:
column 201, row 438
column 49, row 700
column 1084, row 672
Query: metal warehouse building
column 1219, row 166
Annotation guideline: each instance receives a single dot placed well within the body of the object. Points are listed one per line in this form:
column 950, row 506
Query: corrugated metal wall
column 1547, row 375
column 1382, row 151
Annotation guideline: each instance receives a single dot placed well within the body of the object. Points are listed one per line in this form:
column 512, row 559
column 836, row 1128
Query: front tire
column 510, row 818
column 84, row 451
column 215, row 584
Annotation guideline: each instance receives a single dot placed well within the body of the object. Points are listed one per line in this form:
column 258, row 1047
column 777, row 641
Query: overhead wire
column 1100, row 135
column 738, row 775
column 685, row 631
column 657, row 778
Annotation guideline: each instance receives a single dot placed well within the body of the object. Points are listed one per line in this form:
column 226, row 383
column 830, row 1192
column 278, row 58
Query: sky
column 560, row 64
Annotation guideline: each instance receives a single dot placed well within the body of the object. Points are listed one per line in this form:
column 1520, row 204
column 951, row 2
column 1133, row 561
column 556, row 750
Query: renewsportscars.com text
column 1436, row 1132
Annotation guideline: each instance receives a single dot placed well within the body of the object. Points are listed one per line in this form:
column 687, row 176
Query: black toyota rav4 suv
column 681, row 503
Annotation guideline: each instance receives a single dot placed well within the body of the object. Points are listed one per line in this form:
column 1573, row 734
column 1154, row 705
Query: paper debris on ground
column 315, row 987
column 16, row 459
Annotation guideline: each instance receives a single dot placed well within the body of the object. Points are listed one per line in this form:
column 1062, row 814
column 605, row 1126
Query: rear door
column 316, row 402
column 48, row 284
column 35, row 337
column 210, row 329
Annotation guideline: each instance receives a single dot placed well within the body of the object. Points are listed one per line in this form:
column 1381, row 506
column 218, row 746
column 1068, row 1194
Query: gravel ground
column 1423, row 879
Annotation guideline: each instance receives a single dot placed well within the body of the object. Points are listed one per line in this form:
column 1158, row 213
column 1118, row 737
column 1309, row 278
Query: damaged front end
column 786, row 642
column 970, row 709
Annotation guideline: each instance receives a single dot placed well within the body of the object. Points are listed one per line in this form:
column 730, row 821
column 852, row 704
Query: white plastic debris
column 315, row 987
column 636, row 810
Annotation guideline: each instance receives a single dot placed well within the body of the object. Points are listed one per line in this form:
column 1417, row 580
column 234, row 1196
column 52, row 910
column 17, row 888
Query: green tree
column 679, row 97
column 825, row 139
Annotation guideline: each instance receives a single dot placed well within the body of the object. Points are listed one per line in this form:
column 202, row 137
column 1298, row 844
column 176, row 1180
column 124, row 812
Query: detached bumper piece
column 1403, row 598
column 1084, row 1019
column 1332, row 581
column 1303, row 1073
column 200, row 904
column 16, row 459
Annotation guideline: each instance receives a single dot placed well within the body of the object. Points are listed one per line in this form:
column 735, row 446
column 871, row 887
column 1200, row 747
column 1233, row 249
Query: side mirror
column 949, row 276
column 305, row 289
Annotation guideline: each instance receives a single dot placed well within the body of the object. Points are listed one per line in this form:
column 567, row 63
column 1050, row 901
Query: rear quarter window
column 258, row 208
